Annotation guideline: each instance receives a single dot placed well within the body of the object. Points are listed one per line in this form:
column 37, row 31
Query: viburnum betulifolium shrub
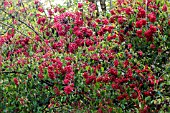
column 69, row 60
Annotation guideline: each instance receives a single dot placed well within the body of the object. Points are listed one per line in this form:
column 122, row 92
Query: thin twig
column 24, row 24
column 24, row 7
column 146, row 8
column 15, row 72
column 30, row 28
column 14, row 28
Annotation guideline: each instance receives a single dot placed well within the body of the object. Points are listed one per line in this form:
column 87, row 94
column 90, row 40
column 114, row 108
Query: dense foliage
column 61, row 60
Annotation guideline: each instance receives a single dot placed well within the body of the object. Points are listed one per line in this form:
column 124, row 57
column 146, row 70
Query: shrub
column 57, row 60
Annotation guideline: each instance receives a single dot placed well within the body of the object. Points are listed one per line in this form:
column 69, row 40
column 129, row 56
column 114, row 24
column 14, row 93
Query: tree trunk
column 95, row 2
column 110, row 4
column 69, row 2
column 103, row 5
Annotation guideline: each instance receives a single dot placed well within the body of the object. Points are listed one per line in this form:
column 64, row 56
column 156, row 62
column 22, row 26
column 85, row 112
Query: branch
column 14, row 28
column 24, row 24
column 158, row 55
column 30, row 27
column 47, row 82
column 27, row 26
column 24, row 7
column 15, row 72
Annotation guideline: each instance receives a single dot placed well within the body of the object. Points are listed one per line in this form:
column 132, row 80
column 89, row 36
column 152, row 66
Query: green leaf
column 87, row 68
column 97, row 85
column 120, row 110
column 102, row 69
column 148, row 99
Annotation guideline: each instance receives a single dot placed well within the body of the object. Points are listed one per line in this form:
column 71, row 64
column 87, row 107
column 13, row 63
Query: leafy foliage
column 60, row 60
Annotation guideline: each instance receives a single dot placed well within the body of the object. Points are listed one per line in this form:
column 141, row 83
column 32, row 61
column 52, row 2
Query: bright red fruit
column 16, row 81
column 29, row 76
column 129, row 46
column 148, row 34
column 152, row 46
column 120, row 20
column 113, row 71
column 80, row 5
column 68, row 89
column 153, row 28
column 139, row 23
column 141, row 13
column 169, row 22
column 116, row 63
column 140, row 53
column 40, row 76
column 139, row 33
column 164, row 8
column 152, row 17
column 66, row 81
